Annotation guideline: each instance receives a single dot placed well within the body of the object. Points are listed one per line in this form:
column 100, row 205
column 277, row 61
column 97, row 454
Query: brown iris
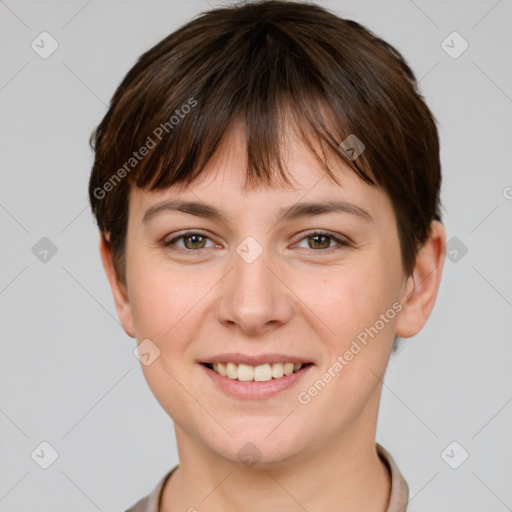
column 325, row 237
column 195, row 237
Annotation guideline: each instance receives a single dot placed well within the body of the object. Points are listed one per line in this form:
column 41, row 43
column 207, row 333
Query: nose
column 254, row 295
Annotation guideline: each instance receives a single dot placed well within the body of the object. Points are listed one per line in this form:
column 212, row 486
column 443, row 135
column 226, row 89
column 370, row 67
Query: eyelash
column 341, row 243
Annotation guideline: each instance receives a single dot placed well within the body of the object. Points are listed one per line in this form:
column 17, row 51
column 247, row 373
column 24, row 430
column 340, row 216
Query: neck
column 347, row 475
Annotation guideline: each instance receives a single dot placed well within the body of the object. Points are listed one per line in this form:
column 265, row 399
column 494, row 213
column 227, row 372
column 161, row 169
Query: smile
column 255, row 382
column 260, row 373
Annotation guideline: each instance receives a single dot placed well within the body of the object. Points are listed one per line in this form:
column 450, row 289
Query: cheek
column 343, row 298
column 151, row 309
column 167, row 303
column 349, row 304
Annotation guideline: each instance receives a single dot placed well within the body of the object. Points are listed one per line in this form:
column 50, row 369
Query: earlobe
column 119, row 290
column 421, row 289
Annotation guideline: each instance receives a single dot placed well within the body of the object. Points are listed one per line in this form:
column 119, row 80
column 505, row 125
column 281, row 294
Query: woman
column 266, row 184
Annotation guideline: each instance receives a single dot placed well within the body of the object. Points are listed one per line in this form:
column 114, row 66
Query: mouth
column 261, row 373
column 259, row 382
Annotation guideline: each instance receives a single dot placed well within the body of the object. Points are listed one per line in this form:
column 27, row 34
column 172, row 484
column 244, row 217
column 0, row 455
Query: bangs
column 274, row 88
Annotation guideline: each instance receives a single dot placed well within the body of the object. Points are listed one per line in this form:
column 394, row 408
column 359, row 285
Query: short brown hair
column 255, row 62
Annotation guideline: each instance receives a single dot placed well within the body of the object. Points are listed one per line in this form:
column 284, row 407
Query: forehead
column 223, row 183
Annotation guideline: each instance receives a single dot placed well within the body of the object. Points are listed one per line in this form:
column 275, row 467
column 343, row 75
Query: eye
column 321, row 240
column 193, row 241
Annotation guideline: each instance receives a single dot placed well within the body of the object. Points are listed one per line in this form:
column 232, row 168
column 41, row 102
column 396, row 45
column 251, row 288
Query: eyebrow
column 296, row 211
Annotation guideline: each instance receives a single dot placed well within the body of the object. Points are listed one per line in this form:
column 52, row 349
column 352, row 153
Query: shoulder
column 151, row 502
column 141, row 506
column 399, row 496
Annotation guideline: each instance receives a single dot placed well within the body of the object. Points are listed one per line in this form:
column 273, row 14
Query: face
column 256, row 282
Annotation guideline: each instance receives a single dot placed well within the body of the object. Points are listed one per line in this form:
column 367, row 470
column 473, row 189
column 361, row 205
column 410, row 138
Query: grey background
column 68, row 375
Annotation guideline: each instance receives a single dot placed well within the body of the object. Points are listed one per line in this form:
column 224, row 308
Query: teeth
column 220, row 368
column 288, row 368
column 231, row 370
column 277, row 371
column 260, row 373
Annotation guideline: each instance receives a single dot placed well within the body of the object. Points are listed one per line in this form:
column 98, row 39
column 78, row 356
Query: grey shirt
column 397, row 500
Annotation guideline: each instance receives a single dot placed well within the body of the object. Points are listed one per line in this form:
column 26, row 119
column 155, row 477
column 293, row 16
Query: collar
column 398, row 497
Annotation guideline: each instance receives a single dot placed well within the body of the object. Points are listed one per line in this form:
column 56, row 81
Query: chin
column 255, row 447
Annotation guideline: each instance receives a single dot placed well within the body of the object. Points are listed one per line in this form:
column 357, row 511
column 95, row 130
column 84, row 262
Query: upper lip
column 254, row 360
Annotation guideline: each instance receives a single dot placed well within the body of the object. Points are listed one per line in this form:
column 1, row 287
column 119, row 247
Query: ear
column 119, row 290
column 420, row 292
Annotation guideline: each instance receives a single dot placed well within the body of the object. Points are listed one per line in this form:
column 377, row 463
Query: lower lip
column 255, row 389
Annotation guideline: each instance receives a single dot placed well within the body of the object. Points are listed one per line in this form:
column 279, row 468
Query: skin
column 295, row 298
